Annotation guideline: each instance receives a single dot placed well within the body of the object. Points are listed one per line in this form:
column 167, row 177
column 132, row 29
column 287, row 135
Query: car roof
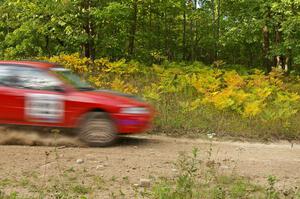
column 34, row 64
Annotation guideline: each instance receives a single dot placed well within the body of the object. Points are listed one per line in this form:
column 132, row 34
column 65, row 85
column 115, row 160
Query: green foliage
column 153, row 31
column 271, row 191
column 223, row 101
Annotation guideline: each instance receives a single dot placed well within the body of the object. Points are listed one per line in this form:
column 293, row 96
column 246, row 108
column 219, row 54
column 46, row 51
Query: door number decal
column 44, row 108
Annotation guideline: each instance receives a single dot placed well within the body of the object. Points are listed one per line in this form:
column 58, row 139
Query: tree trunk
column 192, row 41
column 184, row 33
column 266, row 48
column 218, row 30
column 213, row 28
column 166, row 48
column 47, row 46
column 250, row 61
column 289, row 60
column 132, row 34
column 89, row 50
column 278, row 57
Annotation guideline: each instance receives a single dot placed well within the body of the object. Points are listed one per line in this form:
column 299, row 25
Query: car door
column 34, row 98
column 44, row 97
column 11, row 99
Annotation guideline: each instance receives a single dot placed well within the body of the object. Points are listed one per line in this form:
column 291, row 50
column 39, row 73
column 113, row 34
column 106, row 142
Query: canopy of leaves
column 152, row 31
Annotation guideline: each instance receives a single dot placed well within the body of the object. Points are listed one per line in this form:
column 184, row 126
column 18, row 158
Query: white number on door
column 44, row 108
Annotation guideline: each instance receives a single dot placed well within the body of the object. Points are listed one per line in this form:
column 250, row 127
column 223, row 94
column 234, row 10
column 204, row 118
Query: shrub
column 194, row 96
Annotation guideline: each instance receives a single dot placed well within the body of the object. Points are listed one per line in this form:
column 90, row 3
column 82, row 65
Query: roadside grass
column 173, row 121
column 65, row 186
column 198, row 179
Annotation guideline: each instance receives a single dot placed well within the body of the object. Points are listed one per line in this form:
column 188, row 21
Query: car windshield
column 73, row 79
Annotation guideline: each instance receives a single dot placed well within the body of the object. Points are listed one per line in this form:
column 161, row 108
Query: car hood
column 114, row 98
column 116, row 93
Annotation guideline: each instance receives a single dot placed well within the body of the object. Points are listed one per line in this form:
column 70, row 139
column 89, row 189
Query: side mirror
column 59, row 89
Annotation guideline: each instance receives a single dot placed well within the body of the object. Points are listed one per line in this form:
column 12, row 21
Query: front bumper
column 127, row 123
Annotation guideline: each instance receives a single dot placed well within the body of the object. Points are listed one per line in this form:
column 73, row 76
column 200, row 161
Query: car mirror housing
column 60, row 89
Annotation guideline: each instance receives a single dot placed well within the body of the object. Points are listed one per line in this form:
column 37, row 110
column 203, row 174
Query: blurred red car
column 46, row 94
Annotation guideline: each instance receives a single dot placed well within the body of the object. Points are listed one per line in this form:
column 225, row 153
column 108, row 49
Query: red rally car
column 46, row 94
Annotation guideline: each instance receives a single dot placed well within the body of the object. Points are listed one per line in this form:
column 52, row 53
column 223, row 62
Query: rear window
column 27, row 78
column 6, row 75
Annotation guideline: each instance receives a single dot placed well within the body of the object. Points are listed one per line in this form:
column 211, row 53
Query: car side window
column 6, row 76
column 36, row 79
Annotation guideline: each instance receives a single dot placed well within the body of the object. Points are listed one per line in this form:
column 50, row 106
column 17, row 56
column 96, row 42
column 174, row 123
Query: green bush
column 195, row 99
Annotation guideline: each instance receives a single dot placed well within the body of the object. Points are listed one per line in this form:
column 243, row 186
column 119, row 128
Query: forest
column 198, row 62
column 253, row 33
column 222, row 76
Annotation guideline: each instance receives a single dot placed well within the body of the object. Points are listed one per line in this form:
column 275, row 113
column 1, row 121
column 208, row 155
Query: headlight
column 135, row 110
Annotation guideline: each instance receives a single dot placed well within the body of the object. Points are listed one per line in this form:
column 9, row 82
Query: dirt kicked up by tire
column 97, row 130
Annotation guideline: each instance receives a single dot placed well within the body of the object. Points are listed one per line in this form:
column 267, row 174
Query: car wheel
column 97, row 130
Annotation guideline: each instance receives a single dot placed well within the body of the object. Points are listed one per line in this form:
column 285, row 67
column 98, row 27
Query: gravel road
column 147, row 156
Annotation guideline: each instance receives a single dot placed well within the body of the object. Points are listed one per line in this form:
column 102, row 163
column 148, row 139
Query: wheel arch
column 96, row 110
column 84, row 114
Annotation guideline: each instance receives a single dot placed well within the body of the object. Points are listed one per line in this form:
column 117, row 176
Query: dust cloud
column 34, row 137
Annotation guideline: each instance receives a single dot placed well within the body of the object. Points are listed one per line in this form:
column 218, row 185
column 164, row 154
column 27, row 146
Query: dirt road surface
column 148, row 156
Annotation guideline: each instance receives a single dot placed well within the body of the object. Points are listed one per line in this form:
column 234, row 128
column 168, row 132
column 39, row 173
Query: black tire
column 97, row 130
